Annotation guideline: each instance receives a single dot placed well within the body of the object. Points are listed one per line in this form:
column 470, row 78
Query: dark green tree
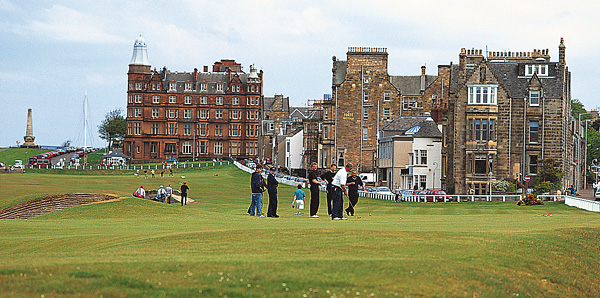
column 549, row 174
column 578, row 108
column 113, row 127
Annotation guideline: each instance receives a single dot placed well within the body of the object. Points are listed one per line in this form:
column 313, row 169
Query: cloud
column 14, row 77
column 63, row 23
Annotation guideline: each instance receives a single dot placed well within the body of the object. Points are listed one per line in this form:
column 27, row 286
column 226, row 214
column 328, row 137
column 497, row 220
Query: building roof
column 340, row 68
column 210, row 78
column 114, row 154
column 140, row 53
column 410, row 85
column 269, row 103
column 417, row 126
column 512, row 76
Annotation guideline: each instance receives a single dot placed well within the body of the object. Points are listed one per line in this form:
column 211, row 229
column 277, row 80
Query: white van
column 367, row 177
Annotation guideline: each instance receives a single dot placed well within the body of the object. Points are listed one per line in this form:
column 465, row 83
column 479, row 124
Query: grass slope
column 140, row 248
column 11, row 154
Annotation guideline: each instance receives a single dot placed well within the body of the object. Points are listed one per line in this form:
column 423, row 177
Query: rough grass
column 11, row 154
column 135, row 248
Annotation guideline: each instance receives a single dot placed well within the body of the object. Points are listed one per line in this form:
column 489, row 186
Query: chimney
column 423, row 82
column 561, row 54
column 205, row 68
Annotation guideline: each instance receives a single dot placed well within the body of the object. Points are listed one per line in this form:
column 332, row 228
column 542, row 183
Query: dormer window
column 540, row 69
column 219, row 87
column 483, row 94
column 188, row 87
column 534, row 98
column 203, row 87
column 172, row 86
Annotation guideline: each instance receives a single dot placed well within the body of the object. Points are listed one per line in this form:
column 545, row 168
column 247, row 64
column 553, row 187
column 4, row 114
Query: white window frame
column 155, row 113
column 186, row 148
column 172, row 86
column 540, row 69
column 218, row 114
column 235, row 114
column 188, row 87
column 187, row 100
column 155, row 99
column 203, row 100
column 537, row 96
column 187, row 113
column 219, row 100
column 137, row 98
column 482, row 94
column 235, row 101
column 172, row 99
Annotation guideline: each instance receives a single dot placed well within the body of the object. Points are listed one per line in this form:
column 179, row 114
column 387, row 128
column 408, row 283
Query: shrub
column 503, row 186
column 530, row 199
column 544, row 187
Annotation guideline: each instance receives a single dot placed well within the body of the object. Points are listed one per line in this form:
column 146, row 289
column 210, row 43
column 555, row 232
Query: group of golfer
column 338, row 185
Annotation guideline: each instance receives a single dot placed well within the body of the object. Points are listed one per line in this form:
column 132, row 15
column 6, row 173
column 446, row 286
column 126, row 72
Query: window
column 220, row 100
column 234, row 130
column 154, row 130
column 203, row 87
column 129, row 98
column 534, row 98
column 409, row 103
column 219, row 148
column 153, row 147
column 365, row 114
column 482, row 94
column 137, row 128
column 423, row 157
column 173, row 113
column 533, row 160
column 137, row 112
column 235, row 101
column 340, row 158
column 386, row 96
column 171, row 86
column 325, row 132
column 540, row 69
column 188, row 87
column 366, row 96
column 326, row 114
column 423, row 181
column 137, row 149
column 188, row 100
column 271, row 126
column 138, row 98
column 234, row 115
column 477, row 129
column 204, row 114
column 155, row 99
column 219, row 130
column 170, row 148
column 155, row 113
column 203, row 130
column 219, row 87
column 138, row 86
column 202, row 147
column 534, row 131
column 252, row 100
column 480, row 164
column 386, row 113
column 187, row 129
column 186, row 148
column 235, row 148
column 172, row 130
column 219, row 114
column 187, row 113
column 492, row 131
column 203, row 100
column 172, row 99
column 365, row 134
column 129, row 128
column 481, row 130
column 130, row 86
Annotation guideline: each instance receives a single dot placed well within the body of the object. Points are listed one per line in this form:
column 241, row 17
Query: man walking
column 314, row 190
column 272, row 185
column 339, row 185
column 328, row 177
column 184, row 189
column 257, row 184
column 353, row 183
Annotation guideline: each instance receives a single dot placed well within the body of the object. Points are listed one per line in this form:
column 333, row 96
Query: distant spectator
column 140, row 192
column 184, row 189
column 169, row 191
column 145, row 174
column 152, row 172
column 161, row 194
column 298, row 201
column 170, row 172
column 257, row 183
column 162, row 173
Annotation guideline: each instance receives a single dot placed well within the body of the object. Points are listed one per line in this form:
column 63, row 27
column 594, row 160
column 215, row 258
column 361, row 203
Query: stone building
column 507, row 111
column 208, row 114
column 274, row 121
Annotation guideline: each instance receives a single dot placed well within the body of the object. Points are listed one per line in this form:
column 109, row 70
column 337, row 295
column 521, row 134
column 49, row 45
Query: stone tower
column 29, row 138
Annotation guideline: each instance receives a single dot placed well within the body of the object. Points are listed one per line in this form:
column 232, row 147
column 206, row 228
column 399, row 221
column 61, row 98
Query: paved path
column 587, row 194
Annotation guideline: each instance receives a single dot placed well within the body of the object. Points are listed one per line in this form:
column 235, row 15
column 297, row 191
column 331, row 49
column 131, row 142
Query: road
column 587, row 194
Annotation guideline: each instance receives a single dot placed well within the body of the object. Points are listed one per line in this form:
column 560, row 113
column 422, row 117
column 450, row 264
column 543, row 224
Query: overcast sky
column 53, row 51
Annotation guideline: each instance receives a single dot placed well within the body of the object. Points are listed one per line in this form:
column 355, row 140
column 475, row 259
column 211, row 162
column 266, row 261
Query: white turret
column 140, row 53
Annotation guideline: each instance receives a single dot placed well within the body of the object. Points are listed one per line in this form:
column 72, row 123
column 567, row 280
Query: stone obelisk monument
column 29, row 138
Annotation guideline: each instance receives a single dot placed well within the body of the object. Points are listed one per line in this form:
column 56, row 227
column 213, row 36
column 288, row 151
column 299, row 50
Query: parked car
column 597, row 194
column 435, row 196
column 384, row 190
column 371, row 189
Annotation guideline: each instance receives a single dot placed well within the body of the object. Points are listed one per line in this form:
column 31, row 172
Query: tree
column 113, row 127
column 593, row 149
column 578, row 108
column 549, row 174
column 66, row 143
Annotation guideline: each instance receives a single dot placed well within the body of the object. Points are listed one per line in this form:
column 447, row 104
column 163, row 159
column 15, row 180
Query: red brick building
column 209, row 114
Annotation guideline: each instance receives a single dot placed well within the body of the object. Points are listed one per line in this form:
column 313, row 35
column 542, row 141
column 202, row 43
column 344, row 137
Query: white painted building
column 410, row 152
column 294, row 150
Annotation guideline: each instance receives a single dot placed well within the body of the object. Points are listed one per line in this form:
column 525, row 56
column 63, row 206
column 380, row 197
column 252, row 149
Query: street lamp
column 436, row 166
column 585, row 155
column 579, row 150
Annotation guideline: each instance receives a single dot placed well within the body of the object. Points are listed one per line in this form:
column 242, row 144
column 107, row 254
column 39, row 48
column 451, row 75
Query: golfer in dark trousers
column 184, row 189
column 272, row 185
column 328, row 177
column 314, row 190
column 339, row 187
column 353, row 184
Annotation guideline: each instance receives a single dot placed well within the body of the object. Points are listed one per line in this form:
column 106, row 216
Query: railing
column 582, row 204
column 129, row 167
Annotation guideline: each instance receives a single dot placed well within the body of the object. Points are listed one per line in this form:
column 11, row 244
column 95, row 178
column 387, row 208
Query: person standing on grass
column 170, row 172
column 328, row 177
column 145, row 174
column 169, row 191
column 339, row 184
column 314, row 190
column 257, row 183
column 184, row 189
column 152, row 172
column 298, row 201
column 161, row 194
column 272, row 185
column 353, row 182
column 162, row 173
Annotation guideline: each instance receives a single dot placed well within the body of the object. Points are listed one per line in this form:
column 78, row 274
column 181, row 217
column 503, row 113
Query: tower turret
column 139, row 61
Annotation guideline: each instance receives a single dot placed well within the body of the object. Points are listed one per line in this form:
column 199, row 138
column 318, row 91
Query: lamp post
column 585, row 155
column 194, row 146
column 436, row 166
column 579, row 150
column 491, row 184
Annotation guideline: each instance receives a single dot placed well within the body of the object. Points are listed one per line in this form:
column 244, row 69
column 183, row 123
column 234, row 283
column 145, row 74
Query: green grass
column 138, row 248
column 9, row 156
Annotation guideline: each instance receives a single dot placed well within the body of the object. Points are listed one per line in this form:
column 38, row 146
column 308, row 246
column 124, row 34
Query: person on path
column 339, row 184
column 152, row 172
column 169, row 191
column 257, row 183
column 354, row 183
column 161, row 194
column 314, row 190
column 328, row 177
column 272, row 185
column 137, row 173
column 184, row 189
column 298, row 201
column 140, row 192
column 145, row 174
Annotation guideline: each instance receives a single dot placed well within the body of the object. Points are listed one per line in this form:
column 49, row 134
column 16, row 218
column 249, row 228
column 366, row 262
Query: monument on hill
column 29, row 138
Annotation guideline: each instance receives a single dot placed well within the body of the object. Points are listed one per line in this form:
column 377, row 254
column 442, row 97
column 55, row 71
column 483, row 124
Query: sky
column 54, row 52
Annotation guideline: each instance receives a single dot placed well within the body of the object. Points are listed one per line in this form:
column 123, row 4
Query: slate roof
column 116, row 154
column 401, row 124
column 340, row 69
column 269, row 101
column 410, row 85
column 512, row 76
column 211, row 79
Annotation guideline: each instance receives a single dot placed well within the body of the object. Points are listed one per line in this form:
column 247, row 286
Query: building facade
column 209, row 114
column 507, row 112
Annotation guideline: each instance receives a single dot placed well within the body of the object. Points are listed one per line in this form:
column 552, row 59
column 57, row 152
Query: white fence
column 264, row 174
column 132, row 167
column 582, row 204
column 441, row 198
